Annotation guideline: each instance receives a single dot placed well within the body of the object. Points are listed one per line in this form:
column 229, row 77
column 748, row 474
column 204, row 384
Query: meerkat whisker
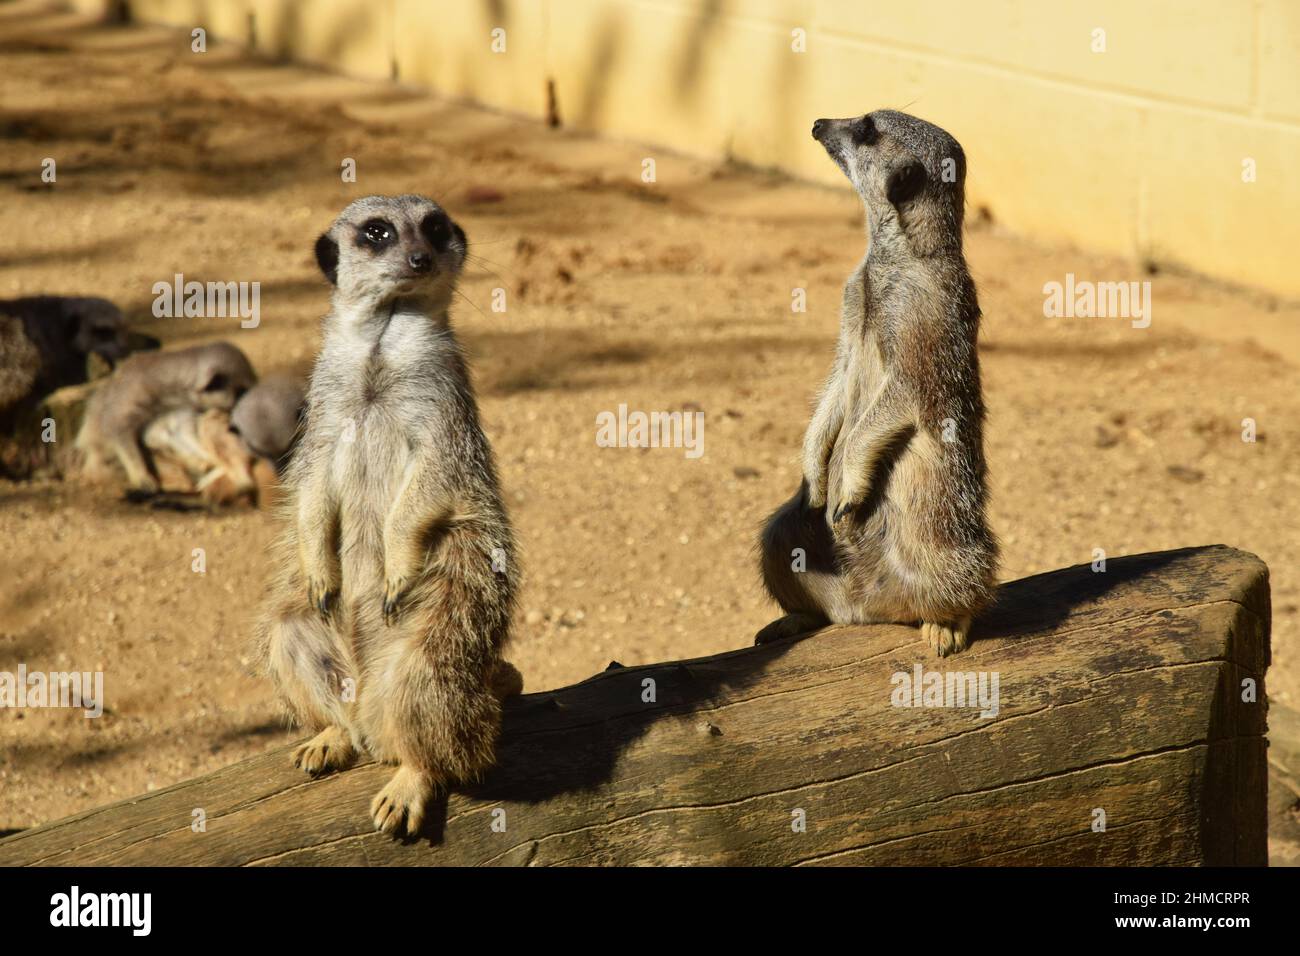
column 471, row 302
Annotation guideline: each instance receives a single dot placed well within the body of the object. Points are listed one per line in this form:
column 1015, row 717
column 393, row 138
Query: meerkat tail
column 445, row 700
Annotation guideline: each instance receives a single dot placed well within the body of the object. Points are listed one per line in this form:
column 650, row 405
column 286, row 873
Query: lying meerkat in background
column 144, row 388
column 267, row 418
column 227, row 458
column 196, row 451
column 385, row 627
column 890, row 514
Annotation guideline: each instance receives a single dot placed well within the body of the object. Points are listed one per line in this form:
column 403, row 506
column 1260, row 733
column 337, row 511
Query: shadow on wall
column 327, row 51
column 724, row 100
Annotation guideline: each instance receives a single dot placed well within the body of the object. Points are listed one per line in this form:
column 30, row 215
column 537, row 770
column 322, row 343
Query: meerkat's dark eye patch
column 378, row 233
column 905, row 183
column 437, row 228
column 864, row 132
column 327, row 257
column 217, row 383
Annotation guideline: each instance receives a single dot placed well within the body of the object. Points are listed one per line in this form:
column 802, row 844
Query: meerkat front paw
column 322, row 596
column 946, row 638
column 331, row 749
column 843, row 513
column 398, row 809
column 816, row 490
column 851, row 495
column 394, row 591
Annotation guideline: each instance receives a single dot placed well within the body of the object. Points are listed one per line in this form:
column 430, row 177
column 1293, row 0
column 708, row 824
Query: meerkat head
column 267, row 418
column 96, row 326
column 905, row 169
column 221, row 375
column 382, row 247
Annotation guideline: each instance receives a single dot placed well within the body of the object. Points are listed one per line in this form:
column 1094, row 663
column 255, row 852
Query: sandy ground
column 664, row 296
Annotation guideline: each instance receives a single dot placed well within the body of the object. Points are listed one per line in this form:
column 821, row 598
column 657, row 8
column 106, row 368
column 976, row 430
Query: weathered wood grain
column 1120, row 692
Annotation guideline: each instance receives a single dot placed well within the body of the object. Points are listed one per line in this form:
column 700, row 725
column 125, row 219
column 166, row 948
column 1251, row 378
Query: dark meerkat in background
column 65, row 331
column 50, row 342
column 397, row 580
column 889, row 517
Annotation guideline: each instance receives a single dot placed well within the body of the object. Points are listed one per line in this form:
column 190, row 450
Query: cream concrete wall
column 1136, row 151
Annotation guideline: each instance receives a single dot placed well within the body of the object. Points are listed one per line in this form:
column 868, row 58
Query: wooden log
column 1119, row 692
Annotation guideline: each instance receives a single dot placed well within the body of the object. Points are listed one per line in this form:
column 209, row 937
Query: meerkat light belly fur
column 387, row 622
column 889, row 522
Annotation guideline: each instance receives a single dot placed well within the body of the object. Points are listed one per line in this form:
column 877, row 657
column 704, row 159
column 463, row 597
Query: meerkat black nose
column 420, row 261
column 819, row 127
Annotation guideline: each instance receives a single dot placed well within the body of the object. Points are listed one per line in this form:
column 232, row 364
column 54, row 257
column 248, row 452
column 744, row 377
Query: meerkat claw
column 394, row 591
column 321, row 599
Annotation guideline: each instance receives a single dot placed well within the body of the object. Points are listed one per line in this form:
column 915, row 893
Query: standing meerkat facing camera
column 387, row 622
column 890, row 513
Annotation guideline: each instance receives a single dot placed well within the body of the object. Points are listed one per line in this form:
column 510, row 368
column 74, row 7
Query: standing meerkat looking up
column 889, row 517
column 397, row 580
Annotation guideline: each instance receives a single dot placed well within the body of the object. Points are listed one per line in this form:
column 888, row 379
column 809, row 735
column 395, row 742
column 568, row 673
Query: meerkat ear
column 327, row 257
column 905, row 183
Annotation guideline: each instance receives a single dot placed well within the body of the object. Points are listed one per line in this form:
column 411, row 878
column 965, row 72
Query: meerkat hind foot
column 331, row 749
column 792, row 625
column 946, row 638
column 398, row 809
